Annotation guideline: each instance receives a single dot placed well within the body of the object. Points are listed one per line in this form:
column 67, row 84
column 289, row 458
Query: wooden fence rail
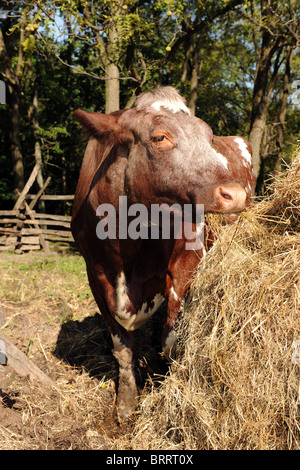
column 24, row 229
column 29, row 230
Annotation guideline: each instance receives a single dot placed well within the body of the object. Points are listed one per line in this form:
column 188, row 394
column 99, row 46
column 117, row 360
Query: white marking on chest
column 132, row 321
column 122, row 297
column 172, row 105
column 243, row 148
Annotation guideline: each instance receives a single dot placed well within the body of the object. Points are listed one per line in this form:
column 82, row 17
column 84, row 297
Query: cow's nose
column 230, row 197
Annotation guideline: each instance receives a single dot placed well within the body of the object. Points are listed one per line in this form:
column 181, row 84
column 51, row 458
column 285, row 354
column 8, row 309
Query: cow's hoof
column 125, row 409
column 127, row 394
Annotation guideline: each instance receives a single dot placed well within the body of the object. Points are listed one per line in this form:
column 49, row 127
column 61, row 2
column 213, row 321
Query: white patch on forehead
column 132, row 321
column 162, row 97
column 175, row 106
column 243, row 148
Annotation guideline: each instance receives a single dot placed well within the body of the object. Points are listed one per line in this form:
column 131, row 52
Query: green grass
column 53, row 287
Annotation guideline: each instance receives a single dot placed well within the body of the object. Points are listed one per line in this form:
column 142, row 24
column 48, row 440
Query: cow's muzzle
column 229, row 198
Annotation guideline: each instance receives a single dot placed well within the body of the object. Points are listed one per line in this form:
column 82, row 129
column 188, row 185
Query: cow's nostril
column 226, row 196
column 230, row 197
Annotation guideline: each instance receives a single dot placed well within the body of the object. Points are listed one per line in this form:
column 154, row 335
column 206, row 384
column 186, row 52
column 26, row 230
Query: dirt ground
column 48, row 312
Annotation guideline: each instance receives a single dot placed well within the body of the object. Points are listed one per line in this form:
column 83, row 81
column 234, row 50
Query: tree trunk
column 14, row 134
column 112, row 83
column 259, row 105
column 283, row 110
column 112, row 89
column 37, row 146
column 191, row 68
column 14, row 91
column 262, row 86
column 188, row 47
column 194, row 77
column 108, row 55
column 255, row 138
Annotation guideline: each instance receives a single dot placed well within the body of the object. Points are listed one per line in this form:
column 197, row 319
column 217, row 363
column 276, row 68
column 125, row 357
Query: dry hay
column 236, row 383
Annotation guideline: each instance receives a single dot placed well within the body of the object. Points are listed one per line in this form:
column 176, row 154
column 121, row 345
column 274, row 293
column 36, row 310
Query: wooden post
column 21, row 363
column 20, row 201
column 26, row 188
column 38, row 195
column 44, row 243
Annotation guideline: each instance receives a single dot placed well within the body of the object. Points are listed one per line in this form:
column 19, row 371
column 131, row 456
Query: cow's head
column 170, row 154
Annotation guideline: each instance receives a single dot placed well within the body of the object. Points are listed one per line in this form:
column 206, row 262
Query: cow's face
column 170, row 155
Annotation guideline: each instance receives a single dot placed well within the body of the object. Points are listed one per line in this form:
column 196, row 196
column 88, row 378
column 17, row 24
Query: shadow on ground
column 87, row 344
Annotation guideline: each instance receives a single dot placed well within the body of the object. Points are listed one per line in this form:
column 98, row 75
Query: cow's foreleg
column 124, row 352
column 181, row 268
column 127, row 389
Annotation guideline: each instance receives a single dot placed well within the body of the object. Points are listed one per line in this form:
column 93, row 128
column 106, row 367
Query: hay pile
column 236, row 381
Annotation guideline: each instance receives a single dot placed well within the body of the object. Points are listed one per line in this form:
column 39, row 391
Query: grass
column 59, row 279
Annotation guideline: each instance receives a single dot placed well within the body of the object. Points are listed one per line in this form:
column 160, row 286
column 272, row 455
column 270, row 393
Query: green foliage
column 65, row 50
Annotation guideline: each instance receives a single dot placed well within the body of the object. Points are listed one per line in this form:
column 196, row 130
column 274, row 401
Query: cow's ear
column 104, row 126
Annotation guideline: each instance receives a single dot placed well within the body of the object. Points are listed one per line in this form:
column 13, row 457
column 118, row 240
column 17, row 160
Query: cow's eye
column 158, row 138
column 162, row 140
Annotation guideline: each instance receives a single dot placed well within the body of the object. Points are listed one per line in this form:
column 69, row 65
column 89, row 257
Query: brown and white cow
column 154, row 153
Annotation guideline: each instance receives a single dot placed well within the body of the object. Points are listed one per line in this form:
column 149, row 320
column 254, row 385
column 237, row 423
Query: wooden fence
column 23, row 229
